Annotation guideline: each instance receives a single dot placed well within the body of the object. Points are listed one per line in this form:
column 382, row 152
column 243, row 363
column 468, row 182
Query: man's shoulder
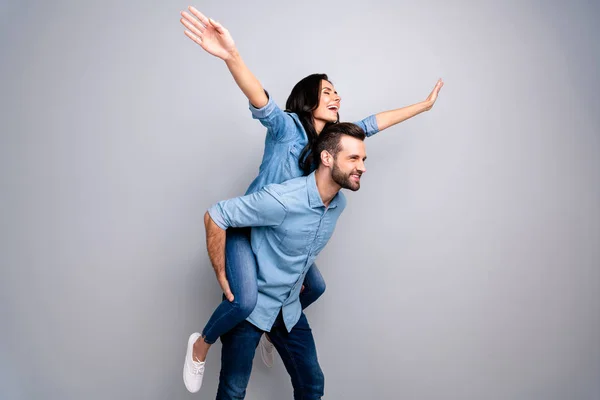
column 289, row 186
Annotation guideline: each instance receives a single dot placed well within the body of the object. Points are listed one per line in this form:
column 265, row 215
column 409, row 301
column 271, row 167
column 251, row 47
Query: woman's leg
column 240, row 264
column 314, row 286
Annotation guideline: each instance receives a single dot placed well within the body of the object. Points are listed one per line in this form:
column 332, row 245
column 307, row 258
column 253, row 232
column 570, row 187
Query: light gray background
column 467, row 266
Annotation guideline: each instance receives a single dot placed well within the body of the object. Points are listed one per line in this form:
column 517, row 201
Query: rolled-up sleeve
column 369, row 125
column 279, row 124
column 262, row 208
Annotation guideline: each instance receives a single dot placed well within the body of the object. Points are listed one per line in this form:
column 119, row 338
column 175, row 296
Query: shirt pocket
column 293, row 155
column 296, row 242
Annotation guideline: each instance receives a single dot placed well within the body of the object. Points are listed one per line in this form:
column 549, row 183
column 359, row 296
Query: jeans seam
column 298, row 375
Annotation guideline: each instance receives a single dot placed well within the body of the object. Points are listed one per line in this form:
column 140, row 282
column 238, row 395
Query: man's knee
column 231, row 390
column 318, row 382
column 312, row 389
column 237, row 354
column 313, row 383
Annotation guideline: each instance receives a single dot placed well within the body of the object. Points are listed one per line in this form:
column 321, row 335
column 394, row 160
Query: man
column 291, row 223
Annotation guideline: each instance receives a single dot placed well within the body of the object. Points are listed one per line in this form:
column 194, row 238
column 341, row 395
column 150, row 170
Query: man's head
column 341, row 148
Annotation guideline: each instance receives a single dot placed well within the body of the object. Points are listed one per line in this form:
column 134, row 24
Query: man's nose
column 362, row 167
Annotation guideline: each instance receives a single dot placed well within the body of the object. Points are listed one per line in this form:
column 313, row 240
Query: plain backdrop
column 466, row 267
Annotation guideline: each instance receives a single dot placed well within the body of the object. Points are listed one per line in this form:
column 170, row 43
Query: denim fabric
column 291, row 226
column 284, row 142
column 240, row 266
column 314, row 287
column 296, row 348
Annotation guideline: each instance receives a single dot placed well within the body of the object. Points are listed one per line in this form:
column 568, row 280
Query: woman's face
column 329, row 104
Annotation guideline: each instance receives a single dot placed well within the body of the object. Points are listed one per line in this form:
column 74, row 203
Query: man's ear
column 326, row 158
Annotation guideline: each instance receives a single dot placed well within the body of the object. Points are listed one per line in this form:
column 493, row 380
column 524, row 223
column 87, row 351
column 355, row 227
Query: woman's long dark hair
column 303, row 100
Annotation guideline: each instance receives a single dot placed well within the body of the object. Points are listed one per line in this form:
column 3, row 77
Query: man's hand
column 222, row 279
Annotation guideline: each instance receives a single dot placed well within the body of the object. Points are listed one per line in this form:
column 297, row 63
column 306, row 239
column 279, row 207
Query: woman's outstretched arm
column 216, row 40
column 390, row 118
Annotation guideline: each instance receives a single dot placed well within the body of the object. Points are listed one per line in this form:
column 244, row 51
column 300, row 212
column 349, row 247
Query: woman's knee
column 315, row 284
column 318, row 287
column 245, row 303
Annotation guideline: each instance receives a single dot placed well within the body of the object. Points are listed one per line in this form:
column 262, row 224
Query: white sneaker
column 267, row 351
column 193, row 371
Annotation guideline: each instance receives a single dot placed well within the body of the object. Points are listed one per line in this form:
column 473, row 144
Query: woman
column 312, row 104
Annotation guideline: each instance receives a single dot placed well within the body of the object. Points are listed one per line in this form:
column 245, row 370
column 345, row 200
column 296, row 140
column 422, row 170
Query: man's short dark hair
column 330, row 139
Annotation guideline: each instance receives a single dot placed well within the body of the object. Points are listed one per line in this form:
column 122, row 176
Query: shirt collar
column 314, row 198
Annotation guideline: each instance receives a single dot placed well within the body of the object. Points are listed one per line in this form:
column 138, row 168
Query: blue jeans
column 240, row 267
column 296, row 348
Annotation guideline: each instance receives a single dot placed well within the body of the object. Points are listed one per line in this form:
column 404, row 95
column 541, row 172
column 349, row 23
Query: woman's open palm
column 209, row 34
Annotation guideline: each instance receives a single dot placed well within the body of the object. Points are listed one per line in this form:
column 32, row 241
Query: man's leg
column 299, row 354
column 313, row 287
column 239, row 346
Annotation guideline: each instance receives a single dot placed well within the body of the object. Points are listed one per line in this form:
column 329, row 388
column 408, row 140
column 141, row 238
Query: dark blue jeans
column 240, row 265
column 296, row 348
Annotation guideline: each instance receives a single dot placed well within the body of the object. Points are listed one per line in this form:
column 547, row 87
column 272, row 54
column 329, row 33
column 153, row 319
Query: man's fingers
column 228, row 294
column 226, row 290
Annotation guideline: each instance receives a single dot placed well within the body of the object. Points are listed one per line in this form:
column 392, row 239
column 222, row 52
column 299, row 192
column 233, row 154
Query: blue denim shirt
column 291, row 226
column 285, row 140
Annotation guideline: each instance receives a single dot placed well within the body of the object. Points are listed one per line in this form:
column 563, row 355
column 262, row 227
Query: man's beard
column 343, row 179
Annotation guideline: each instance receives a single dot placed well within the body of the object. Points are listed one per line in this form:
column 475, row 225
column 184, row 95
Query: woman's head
column 315, row 95
column 316, row 103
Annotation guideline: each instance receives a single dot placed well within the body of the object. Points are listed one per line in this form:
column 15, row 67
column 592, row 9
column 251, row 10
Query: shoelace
column 197, row 367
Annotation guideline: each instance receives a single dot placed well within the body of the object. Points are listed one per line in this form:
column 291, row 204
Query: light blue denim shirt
column 291, row 225
column 285, row 140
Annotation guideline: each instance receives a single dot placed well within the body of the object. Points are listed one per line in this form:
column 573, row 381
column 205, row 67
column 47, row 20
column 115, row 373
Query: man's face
column 349, row 163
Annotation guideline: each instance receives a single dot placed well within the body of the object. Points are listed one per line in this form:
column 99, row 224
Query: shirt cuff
column 371, row 124
column 216, row 214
